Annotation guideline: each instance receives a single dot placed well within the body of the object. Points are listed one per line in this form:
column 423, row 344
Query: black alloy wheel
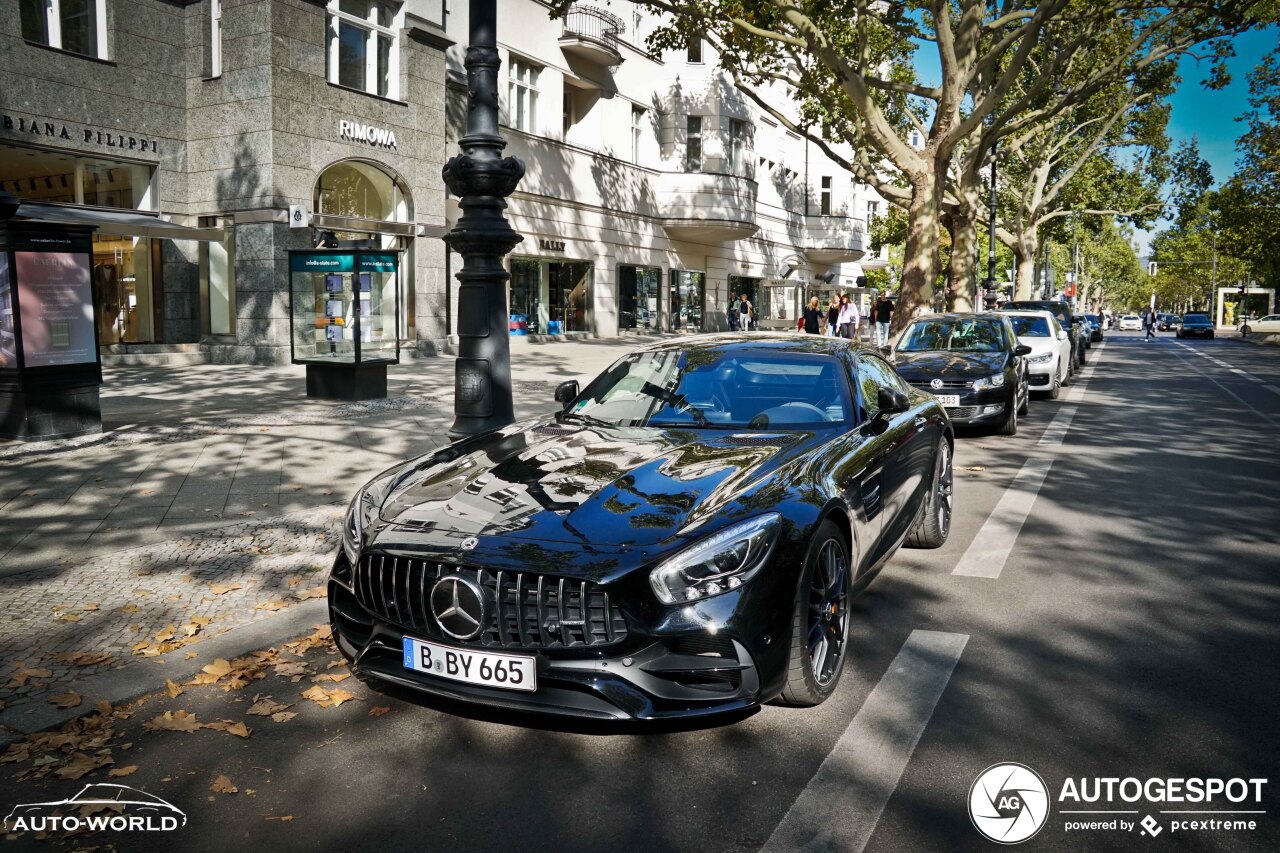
column 1025, row 405
column 1009, row 426
column 934, row 524
column 820, row 623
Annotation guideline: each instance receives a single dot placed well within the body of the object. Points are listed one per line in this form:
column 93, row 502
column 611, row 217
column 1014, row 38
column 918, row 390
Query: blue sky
column 1207, row 115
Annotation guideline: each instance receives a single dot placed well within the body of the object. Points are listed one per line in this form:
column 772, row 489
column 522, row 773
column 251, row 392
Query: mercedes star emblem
column 459, row 606
column 935, row 384
column 470, row 543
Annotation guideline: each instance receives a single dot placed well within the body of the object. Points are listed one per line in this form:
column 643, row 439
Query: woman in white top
column 848, row 319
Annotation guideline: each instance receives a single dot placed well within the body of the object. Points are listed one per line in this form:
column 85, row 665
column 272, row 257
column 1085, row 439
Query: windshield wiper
column 586, row 419
column 673, row 399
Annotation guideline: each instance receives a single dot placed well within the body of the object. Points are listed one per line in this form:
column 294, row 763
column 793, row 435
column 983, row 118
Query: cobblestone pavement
column 68, row 622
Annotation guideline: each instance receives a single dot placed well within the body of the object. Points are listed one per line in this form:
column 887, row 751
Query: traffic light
column 1151, row 267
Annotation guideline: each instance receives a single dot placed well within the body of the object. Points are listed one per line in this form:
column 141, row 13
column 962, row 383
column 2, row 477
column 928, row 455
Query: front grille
column 526, row 610
column 1038, row 379
column 962, row 412
column 947, row 385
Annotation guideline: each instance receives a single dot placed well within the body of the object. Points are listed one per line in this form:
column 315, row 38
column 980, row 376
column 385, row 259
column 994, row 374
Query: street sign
column 299, row 216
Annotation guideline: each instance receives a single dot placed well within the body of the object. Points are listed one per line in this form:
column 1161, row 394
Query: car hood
column 608, row 488
column 1039, row 344
column 948, row 364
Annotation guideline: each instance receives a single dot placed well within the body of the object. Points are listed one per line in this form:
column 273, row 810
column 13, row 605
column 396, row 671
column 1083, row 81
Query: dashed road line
column 841, row 805
column 1056, row 431
column 987, row 553
column 1241, row 400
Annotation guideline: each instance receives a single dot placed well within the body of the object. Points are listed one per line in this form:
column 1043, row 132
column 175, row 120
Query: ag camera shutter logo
column 1008, row 803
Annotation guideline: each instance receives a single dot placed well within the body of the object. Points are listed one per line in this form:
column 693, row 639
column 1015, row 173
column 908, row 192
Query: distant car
column 1079, row 340
column 1096, row 334
column 1049, row 364
column 973, row 363
column 1130, row 323
column 1166, row 322
column 1269, row 324
column 1195, row 326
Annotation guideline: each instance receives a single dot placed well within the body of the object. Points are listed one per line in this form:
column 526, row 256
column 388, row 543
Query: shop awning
column 122, row 222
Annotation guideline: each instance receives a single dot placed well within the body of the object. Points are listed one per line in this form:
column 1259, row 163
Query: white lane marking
column 986, row 555
column 1241, row 400
column 839, row 808
column 1057, row 430
column 1246, row 374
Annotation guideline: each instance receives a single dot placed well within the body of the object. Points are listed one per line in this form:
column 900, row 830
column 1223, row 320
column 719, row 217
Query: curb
column 145, row 675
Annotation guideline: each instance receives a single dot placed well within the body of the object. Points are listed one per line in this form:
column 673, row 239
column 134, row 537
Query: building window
column 638, row 294
column 637, row 131
column 873, row 210
column 693, row 144
column 51, row 176
column 685, row 304
column 364, row 49
column 695, row 51
column 76, row 26
column 738, row 147
column 522, row 95
column 825, row 196
column 215, row 38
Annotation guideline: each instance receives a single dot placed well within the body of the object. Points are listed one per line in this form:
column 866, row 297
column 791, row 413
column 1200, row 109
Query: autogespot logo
column 1008, row 803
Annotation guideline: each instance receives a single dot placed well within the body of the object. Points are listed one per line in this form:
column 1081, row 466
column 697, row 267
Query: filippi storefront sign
column 34, row 129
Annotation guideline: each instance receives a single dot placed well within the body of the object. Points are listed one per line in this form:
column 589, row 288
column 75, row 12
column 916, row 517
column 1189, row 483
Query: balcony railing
column 707, row 206
column 592, row 33
column 834, row 239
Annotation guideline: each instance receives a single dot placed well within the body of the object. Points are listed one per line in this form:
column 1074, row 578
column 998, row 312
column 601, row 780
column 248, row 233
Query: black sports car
column 972, row 362
column 683, row 538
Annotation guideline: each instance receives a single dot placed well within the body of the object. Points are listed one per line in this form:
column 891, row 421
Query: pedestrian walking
column 732, row 313
column 833, row 317
column 746, row 311
column 848, row 319
column 882, row 314
column 1149, row 323
column 812, row 318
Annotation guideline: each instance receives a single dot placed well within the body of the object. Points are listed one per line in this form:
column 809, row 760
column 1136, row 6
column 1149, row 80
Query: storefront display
column 686, row 296
column 55, row 309
column 638, row 290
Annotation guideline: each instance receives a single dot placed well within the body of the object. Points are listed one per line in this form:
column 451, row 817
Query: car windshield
column 1058, row 309
column 1195, row 318
column 1030, row 327
column 1093, row 318
column 712, row 389
column 953, row 335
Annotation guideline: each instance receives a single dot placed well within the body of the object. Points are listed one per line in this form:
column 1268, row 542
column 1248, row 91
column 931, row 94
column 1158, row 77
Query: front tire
column 1244, row 331
column 934, row 525
column 1025, row 406
column 819, row 621
column 1009, row 426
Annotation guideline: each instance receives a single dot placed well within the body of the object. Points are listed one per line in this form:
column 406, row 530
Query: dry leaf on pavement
column 224, row 588
column 379, row 710
column 70, row 699
column 173, row 721
column 314, row 592
column 174, row 690
column 81, row 764
column 123, row 771
column 222, row 785
column 218, row 668
column 266, row 706
column 272, row 605
column 282, row 818
column 284, row 716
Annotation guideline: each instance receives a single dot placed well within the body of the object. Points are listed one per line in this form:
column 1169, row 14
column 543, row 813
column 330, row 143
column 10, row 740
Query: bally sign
column 367, row 133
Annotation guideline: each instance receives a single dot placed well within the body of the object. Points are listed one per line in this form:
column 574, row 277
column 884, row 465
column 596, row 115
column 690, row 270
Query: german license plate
column 951, row 400
column 507, row 672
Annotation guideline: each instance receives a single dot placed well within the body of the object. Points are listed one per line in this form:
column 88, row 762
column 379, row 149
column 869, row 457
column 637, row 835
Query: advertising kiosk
column 50, row 371
column 344, row 320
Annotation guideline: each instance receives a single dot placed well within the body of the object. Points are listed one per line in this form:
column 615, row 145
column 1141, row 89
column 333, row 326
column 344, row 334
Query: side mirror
column 1062, row 334
column 1022, row 349
column 890, row 401
column 566, row 392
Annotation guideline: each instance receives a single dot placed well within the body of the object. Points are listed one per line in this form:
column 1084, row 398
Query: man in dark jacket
column 882, row 316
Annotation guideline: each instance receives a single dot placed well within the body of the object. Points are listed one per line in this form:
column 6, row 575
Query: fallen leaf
column 272, row 605
column 222, row 785
column 89, row 607
column 70, row 699
column 240, row 730
column 379, row 710
column 284, row 716
column 218, row 668
column 976, row 468
column 70, row 617
column 165, row 633
column 330, row 676
column 147, row 492
column 173, row 721
column 282, row 818
column 130, row 608
column 81, row 764
column 174, row 690
column 290, row 668
column 313, row 592
column 294, row 581
column 266, row 707
column 224, row 588
column 123, row 771
column 190, row 655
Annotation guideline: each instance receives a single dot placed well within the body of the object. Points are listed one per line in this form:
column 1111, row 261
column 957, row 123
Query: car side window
column 875, row 373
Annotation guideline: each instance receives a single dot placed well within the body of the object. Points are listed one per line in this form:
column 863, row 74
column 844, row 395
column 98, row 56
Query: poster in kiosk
column 344, row 316
column 50, row 370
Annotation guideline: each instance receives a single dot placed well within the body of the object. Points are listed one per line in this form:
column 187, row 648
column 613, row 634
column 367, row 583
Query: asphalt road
column 1108, row 605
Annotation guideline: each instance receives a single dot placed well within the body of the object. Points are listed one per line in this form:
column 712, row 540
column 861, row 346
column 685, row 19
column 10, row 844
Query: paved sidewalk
column 212, row 502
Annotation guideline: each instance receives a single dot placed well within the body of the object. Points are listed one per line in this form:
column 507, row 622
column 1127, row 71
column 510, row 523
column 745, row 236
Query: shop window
column 525, row 303
column 693, row 144
column 122, row 289
column 49, row 176
column 522, row 95
column 567, row 296
column 685, row 300
column 638, row 289
column 364, row 45
column 360, row 190
column 825, row 196
column 76, row 26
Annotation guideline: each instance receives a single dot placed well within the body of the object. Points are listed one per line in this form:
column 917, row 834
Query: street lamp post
column 989, row 284
column 482, row 179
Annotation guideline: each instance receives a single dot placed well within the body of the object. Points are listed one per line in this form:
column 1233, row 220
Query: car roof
column 756, row 341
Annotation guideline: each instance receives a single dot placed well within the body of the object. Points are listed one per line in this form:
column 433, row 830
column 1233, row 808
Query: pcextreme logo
column 121, row 809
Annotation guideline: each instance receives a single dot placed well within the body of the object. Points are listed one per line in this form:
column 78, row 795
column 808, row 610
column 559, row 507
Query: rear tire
column 934, row 524
column 814, row 668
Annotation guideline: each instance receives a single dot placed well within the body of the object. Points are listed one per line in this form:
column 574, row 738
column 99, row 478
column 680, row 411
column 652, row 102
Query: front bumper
column 719, row 655
column 1195, row 333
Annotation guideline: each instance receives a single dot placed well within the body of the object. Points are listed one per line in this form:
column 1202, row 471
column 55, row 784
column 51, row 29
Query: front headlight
column 1042, row 358
column 361, row 512
column 718, row 564
column 994, row 381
